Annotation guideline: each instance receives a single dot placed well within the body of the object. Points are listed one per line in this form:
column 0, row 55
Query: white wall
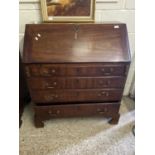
column 106, row 10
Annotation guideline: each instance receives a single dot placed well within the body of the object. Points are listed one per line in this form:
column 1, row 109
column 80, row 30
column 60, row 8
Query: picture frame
column 68, row 10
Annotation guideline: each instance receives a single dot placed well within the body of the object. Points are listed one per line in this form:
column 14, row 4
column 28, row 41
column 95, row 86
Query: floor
column 79, row 136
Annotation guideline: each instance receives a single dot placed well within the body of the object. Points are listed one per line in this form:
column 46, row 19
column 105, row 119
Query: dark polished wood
column 76, row 74
column 48, row 83
column 56, row 43
column 110, row 110
column 76, row 69
column 85, row 95
column 24, row 96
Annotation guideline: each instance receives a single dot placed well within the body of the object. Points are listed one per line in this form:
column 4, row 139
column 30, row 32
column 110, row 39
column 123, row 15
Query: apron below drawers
column 86, row 95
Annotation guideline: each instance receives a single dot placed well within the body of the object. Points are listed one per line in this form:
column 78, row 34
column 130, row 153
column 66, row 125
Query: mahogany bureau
column 76, row 69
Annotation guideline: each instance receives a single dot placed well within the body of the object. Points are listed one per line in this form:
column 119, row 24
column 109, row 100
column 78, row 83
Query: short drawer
column 93, row 69
column 86, row 95
column 40, row 83
column 78, row 109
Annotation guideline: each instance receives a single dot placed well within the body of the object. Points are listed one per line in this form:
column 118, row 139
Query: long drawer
column 38, row 83
column 77, row 109
column 81, row 95
column 93, row 69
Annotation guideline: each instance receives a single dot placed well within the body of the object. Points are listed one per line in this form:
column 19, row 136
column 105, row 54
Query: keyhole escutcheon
column 76, row 30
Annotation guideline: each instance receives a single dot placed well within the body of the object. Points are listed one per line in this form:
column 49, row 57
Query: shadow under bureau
column 76, row 69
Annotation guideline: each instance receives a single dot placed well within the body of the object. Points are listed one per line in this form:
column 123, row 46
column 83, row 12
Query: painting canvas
column 68, row 10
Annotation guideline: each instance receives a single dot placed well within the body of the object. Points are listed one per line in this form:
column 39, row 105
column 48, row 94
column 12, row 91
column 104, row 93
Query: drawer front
column 39, row 83
column 78, row 109
column 97, row 95
column 76, row 70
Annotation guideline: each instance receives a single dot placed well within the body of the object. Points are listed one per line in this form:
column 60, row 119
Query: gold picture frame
column 68, row 10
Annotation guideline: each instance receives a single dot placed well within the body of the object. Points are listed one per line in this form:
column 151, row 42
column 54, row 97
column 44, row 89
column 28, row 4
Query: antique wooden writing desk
column 76, row 69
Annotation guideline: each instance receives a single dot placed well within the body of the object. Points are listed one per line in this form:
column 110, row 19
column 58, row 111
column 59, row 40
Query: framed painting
column 68, row 10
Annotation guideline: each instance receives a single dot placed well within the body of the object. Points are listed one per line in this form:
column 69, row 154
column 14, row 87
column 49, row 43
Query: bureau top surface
column 65, row 43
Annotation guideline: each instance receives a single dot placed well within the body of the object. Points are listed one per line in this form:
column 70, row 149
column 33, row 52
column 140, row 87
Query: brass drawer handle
column 53, row 70
column 102, row 111
column 53, row 113
column 45, row 71
column 50, row 86
column 103, row 93
column 51, row 97
column 107, row 73
column 49, row 71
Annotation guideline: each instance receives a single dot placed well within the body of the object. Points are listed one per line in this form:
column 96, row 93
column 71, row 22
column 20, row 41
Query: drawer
column 85, row 95
column 75, row 70
column 78, row 109
column 40, row 83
